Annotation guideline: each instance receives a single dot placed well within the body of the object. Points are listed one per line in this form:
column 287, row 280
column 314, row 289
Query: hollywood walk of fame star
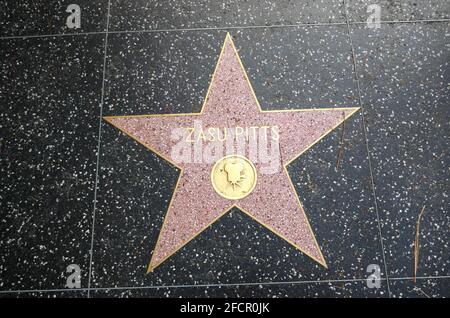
column 272, row 199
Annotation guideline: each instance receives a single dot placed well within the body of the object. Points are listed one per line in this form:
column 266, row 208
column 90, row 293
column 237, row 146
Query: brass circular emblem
column 233, row 177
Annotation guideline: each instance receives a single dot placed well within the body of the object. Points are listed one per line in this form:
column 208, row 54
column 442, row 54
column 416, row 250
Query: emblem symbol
column 233, row 177
column 235, row 173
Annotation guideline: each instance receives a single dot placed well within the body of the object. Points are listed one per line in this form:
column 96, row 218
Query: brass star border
column 351, row 111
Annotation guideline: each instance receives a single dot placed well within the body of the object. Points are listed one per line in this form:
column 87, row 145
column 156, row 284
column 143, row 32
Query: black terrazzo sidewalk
column 74, row 190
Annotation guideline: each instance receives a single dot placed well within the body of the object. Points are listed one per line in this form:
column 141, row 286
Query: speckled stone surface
column 308, row 290
column 31, row 17
column 404, row 75
column 171, row 14
column 142, row 68
column 49, row 97
column 399, row 10
column 422, row 288
column 46, row 294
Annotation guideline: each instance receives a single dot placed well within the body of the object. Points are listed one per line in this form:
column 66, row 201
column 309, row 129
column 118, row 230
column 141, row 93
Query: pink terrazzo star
column 231, row 102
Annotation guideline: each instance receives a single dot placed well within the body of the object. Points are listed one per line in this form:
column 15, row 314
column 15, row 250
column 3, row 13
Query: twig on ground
column 416, row 244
